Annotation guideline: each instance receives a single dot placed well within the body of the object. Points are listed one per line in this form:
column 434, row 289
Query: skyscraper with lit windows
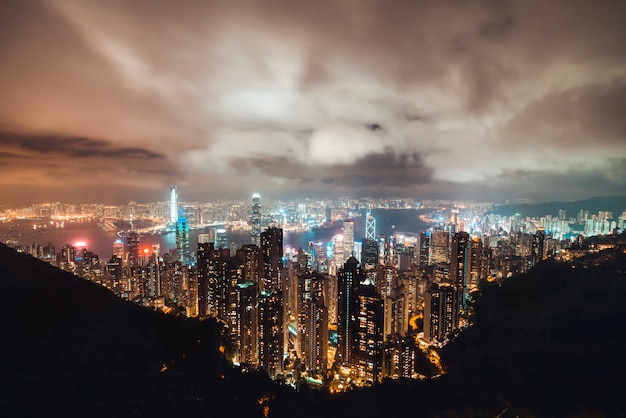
column 255, row 220
column 271, row 257
column 348, row 239
column 182, row 240
column 173, row 205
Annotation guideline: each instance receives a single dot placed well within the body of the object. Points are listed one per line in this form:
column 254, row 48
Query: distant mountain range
column 615, row 204
column 547, row 343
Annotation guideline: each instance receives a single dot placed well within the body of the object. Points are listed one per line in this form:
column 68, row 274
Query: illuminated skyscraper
column 247, row 322
column 347, row 279
column 132, row 248
column 118, row 248
column 173, row 205
column 182, row 240
column 348, row 239
column 370, row 225
column 369, row 253
column 438, row 246
column 270, row 332
column 205, row 251
column 312, row 320
column 271, row 257
column 255, row 219
column 367, row 335
column 440, row 312
column 460, row 266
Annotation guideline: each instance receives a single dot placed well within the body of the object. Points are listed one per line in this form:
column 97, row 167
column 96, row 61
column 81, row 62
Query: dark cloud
column 72, row 147
column 376, row 172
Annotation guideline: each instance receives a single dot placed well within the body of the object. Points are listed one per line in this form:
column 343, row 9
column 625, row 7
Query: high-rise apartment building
column 348, row 278
column 270, row 332
column 271, row 258
column 440, row 312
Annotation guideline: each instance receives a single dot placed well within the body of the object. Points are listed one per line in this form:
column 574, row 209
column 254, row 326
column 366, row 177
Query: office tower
column 460, row 253
column 439, row 243
column 366, row 337
column 440, row 312
column 173, row 205
column 133, row 248
column 204, row 239
column 328, row 215
column 255, row 220
column 370, row 225
column 271, row 257
column 182, row 240
column 270, row 331
column 247, row 325
column 203, row 255
column 348, row 239
column 221, row 240
column 369, row 253
column 348, row 279
column 118, row 248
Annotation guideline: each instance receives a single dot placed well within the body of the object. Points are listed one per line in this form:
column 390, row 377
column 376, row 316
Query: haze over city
column 113, row 101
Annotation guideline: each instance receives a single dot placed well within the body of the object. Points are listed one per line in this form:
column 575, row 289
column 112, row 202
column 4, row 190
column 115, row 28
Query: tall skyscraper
column 203, row 255
column 369, row 253
column 182, row 240
column 347, row 279
column 271, row 257
column 439, row 244
column 270, row 332
column 132, row 248
column 255, row 220
column 247, row 322
column 440, row 312
column 173, row 205
column 312, row 320
column 367, row 335
column 370, row 225
column 460, row 264
column 348, row 239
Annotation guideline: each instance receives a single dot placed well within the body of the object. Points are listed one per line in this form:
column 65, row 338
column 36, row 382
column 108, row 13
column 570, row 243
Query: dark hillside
column 71, row 348
column 549, row 343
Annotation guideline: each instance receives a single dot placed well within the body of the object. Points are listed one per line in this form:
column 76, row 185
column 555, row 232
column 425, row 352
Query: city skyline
column 492, row 101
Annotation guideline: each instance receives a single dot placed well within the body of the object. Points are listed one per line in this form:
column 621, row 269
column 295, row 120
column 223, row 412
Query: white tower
column 173, row 205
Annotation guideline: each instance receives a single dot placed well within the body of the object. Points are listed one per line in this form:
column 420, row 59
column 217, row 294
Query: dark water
column 99, row 241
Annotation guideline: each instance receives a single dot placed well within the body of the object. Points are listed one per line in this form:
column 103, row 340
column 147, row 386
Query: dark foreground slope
column 547, row 343
column 550, row 343
column 70, row 348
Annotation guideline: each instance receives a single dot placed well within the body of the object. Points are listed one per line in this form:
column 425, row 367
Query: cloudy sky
column 107, row 101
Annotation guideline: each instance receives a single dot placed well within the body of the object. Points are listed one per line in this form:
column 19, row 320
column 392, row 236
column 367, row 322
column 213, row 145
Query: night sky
column 108, row 101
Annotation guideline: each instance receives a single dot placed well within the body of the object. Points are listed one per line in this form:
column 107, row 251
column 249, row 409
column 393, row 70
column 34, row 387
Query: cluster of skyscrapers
column 353, row 315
